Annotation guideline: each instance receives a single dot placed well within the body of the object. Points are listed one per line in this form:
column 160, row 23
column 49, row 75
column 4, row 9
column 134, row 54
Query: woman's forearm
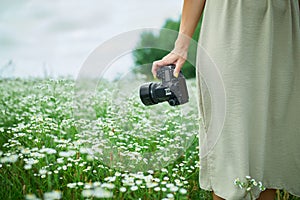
column 191, row 13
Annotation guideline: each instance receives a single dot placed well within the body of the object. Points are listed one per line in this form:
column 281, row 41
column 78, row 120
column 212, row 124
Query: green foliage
column 144, row 57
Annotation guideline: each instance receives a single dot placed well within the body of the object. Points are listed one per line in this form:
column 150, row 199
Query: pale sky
column 56, row 36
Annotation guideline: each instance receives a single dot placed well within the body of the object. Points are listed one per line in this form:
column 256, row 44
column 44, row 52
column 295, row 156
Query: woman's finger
column 178, row 67
column 155, row 66
column 167, row 60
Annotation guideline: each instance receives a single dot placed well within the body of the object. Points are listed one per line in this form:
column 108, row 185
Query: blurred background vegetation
column 145, row 56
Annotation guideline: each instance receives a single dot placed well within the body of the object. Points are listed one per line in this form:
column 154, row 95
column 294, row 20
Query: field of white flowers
column 124, row 153
column 121, row 149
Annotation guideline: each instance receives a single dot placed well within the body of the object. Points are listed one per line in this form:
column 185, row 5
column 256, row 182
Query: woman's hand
column 177, row 57
column 191, row 12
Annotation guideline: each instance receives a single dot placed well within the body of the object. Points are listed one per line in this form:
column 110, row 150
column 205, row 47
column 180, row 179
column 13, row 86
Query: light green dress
column 249, row 58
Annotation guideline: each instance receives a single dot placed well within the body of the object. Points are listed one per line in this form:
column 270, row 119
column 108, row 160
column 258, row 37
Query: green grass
column 118, row 150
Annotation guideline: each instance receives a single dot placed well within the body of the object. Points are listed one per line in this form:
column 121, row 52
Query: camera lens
column 145, row 94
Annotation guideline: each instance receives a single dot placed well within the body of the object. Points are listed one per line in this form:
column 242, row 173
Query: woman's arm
column 191, row 12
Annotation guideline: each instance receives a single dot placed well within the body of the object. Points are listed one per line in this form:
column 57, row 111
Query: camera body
column 171, row 89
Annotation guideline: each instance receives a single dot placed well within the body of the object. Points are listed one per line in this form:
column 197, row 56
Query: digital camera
column 171, row 89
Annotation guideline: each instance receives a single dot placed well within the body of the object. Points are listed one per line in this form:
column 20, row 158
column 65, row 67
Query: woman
column 255, row 45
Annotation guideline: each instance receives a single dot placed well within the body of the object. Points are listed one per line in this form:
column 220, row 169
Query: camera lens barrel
column 145, row 94
column 154, row 93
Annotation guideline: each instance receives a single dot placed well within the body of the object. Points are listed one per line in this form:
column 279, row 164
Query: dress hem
column 256, row 195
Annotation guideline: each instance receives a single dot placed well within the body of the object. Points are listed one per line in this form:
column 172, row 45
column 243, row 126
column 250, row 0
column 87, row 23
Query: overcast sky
column 56, row 36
